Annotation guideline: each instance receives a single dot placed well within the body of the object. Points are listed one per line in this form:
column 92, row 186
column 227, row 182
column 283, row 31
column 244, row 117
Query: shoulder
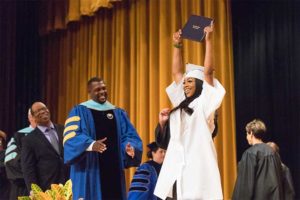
column 31, row 137
column 121, row 112
column 145, row 169
column 250, row 152
column 117, row 109
column 145, row 165
column 260, row 150
column 79, row 110
column 80, row 107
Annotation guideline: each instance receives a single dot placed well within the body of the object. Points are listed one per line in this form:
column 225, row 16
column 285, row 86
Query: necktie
column 53, row 139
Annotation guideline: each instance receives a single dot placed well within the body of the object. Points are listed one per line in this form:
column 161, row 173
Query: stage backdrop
column 130, row 46
column 267, row 70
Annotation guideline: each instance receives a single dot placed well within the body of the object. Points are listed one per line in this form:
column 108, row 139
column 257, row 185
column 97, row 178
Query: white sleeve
column 175, row 93
column 90, row 148
column 212, row 97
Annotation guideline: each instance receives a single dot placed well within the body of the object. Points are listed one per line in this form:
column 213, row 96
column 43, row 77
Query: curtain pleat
column 131, row 47
column 55, row 15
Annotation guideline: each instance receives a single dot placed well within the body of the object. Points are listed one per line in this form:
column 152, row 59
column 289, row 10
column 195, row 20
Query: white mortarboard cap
column 194, row 71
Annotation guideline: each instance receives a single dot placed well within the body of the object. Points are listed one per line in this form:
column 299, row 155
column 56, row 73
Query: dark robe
column 259, row 175
column 4, row 184
column 287, row 181
column 13, row 164
column 162, row 137
column 110, row 170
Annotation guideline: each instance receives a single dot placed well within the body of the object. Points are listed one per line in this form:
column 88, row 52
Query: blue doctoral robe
column 143, row 182
column 80, row 133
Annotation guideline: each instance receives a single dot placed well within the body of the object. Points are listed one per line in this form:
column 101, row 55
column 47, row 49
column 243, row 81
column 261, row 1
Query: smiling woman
column 191, row 154
column 189, row 86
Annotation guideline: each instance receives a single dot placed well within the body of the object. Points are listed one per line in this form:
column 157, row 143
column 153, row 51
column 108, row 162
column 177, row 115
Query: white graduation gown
column 191, row 158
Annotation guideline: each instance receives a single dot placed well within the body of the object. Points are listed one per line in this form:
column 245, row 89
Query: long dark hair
column 184, row 105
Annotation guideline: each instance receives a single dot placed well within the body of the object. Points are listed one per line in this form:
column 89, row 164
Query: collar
column 44, row 128
column 98, row 106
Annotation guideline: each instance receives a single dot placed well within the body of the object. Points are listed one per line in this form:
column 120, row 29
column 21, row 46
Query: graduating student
column 259, row 170
column 99, row 142
column 144, row 180
column 287, row 180
column 13, row 161
column 191, row 161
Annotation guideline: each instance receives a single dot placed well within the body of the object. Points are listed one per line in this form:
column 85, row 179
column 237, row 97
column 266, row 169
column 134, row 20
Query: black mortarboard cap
column 152, row 146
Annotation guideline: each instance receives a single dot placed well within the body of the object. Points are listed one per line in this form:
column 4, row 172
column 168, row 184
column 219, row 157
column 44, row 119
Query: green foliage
column 57, row 192
column 24, row 198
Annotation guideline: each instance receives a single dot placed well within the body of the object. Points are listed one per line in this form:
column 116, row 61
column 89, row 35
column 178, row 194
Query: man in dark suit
column 42, row 151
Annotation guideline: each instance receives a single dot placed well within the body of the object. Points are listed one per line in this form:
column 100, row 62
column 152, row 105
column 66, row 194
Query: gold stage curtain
column 55, row 15
column 130, row 46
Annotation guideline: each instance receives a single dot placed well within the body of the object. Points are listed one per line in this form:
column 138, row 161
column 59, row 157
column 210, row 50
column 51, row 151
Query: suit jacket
column 41, row 163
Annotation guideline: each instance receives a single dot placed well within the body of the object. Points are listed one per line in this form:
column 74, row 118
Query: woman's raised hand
column 164, row 116
column 177, row 37
column 208, row 31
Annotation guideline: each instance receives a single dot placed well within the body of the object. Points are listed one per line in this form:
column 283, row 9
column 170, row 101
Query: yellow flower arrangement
column 57, row 192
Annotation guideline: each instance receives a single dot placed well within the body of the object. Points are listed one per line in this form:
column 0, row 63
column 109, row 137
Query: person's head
column 40, row 113
column 31, row 119
column 156, row 153
column 255, row 130
column 193, row 80
column 274, row 146
column 192, row 87
column 2, row 140
column 97, row 90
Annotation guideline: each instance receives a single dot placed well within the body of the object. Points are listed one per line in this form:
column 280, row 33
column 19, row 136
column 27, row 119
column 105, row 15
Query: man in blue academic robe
column 99, row 142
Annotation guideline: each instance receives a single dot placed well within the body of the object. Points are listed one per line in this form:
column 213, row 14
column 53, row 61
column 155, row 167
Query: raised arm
column 162, row 131
column 177, row 64
column 209, row 54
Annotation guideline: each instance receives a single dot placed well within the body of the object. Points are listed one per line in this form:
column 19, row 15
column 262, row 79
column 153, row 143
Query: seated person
column 144, row 180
